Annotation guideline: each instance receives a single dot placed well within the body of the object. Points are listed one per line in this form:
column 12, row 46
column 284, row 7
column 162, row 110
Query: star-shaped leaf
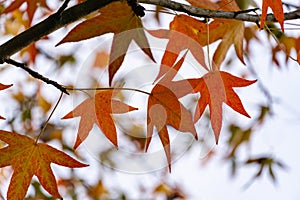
column 215, row 88
column 165, row 109
column 116, row 17
column 230, row 32
column 29, row 158
column 3, row 87
column 183, row 34
column 276, row 6
column 98, row 111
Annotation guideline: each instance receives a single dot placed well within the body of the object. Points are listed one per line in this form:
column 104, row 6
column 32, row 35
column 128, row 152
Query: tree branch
column 198, row 12
column 60, row 19
column 36, row 74
column 49, row 25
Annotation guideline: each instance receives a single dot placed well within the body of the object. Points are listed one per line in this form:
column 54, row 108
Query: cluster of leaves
column 186, row 34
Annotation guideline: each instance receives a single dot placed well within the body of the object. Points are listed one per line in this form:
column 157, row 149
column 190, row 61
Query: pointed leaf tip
column 98, row 110
column 216, row 88
column 32, row 159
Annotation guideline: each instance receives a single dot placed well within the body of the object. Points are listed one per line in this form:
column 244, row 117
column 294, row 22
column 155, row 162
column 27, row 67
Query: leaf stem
column 47, row 121
column 109, row 88
column 207, row 45
column 279, row 43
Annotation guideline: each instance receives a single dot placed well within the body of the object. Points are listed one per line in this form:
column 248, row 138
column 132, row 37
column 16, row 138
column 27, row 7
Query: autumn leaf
column 276, row 6
column 215, row 88
column 32, row 6
column 183, row 34
column 29, row 158
column 165, row 109
column 230, row 32
column 3, row 87
column 123, row 22
column 98, row 111
column 101, row 59
column 297, row 41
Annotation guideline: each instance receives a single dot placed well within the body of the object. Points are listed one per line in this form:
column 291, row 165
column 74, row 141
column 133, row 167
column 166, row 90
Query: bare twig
column 36, row 75
column 63, row 7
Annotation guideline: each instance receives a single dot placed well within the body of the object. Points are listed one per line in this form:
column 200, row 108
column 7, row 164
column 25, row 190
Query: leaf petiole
column 108, row 88
column 47, row 121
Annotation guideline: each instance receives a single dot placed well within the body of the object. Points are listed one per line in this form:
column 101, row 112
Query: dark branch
column 36, row 74
column 64, row 17
column 198, row 12
column 49, row 25
column 76, row 12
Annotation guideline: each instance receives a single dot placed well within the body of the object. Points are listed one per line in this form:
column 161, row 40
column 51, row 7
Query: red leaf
column 230, row 32
column 98, row 111
column 27, row 159
column 183, row 34
column 165, row 109
column 276, row 6
column 123, row 22
column 215, row 88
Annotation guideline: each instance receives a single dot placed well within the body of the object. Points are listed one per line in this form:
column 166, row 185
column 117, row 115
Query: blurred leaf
column 101, row 59
column 52, row 132
column 238, row 136
column 43, row 103
column 265, row 163
column 64, row 59
column 98, row 191
column 31, row 8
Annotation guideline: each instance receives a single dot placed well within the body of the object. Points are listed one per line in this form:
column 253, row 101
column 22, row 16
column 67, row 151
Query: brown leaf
column 123, row 22
column 29, row 158
column 32, row 6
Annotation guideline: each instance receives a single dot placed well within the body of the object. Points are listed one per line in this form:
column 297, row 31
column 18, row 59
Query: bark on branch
column 198, row 12
column 49, row 25
column 76, row 12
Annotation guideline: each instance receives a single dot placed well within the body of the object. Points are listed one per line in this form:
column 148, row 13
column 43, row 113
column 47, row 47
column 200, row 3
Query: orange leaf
column 215, row 88
column 165, row 109
column 297, row 42
column 183, row 34
column 101, row 59
column 276, row 6
column 230, row 32
column 3, row 87
column 123, row 22
column 28, row 158
column 32, row 6
column 98, row 111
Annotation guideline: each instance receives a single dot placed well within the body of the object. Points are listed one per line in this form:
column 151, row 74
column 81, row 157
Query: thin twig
column 47, row 121
column 36, row 74
column 107, row 88
column 63, row 7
